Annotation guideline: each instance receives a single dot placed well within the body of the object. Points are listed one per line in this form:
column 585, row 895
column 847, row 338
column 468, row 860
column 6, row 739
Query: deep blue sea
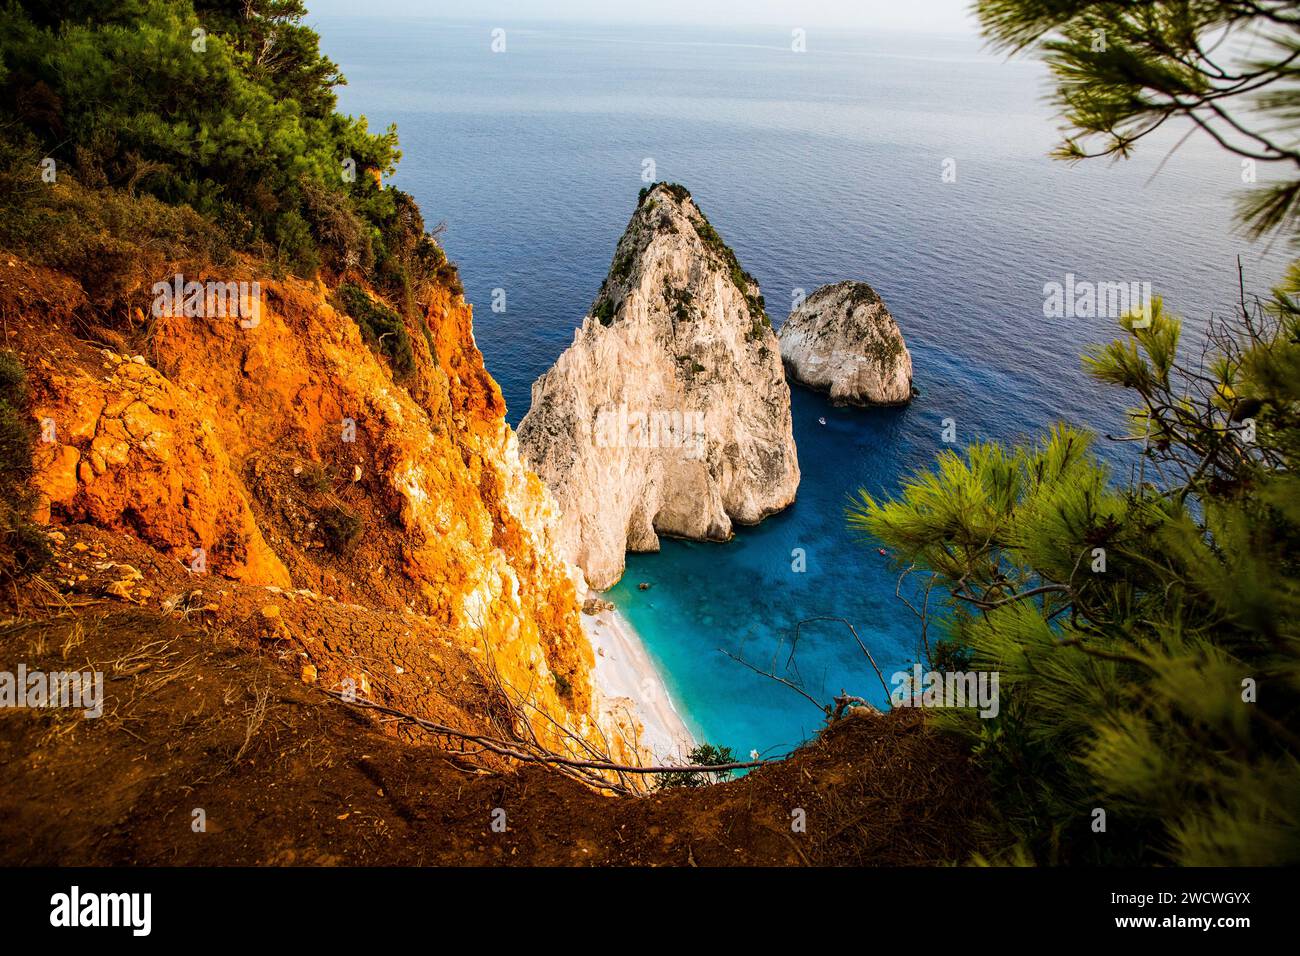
column 815, row 167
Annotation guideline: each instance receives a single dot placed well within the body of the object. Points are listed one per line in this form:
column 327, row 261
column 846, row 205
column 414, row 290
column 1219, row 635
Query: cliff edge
column 286, row 453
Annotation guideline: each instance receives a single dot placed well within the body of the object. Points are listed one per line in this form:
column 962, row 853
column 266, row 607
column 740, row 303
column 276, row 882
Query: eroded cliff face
column 843, row 340
column 669, row 413
column 286, row 455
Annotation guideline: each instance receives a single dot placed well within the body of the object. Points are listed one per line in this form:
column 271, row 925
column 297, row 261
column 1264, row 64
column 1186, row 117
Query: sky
column 922, row 16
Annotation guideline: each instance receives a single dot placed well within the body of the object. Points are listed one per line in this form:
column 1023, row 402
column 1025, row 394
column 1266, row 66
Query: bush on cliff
column 704, row 755
column 24, row 549
column 224, row 108
column 115, row 244
column 340, row 527
column 381, row 327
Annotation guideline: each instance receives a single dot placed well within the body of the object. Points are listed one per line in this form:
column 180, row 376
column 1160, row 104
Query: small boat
column 882, row 551
column 821, row 421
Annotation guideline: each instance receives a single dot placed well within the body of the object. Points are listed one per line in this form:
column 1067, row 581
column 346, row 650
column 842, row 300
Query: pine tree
column 1147, row 627
column 1147, row 634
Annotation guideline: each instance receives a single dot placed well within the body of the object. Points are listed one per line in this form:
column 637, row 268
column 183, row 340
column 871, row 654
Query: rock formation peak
column 669, row 413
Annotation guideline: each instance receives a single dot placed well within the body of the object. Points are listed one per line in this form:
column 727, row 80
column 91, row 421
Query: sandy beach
column 630, row 686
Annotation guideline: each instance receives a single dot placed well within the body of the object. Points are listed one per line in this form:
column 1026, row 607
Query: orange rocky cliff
column 291, row 457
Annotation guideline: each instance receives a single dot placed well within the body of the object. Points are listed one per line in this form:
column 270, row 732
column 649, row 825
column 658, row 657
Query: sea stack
column 670, row 412
column 843, row 340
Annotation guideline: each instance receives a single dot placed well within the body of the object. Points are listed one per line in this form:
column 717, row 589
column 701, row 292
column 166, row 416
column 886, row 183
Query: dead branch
column 854, row 632
column 510, row 749
column 780, row 680
column 846, row 700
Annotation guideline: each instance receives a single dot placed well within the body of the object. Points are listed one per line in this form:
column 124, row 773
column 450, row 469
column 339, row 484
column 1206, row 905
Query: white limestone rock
column 843, row 340
column 670, row 412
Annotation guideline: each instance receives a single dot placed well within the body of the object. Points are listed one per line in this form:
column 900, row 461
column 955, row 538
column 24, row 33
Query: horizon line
column 971, row 34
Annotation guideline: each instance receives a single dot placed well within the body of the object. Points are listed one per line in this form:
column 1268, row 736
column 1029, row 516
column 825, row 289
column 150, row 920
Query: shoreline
column 631, row 688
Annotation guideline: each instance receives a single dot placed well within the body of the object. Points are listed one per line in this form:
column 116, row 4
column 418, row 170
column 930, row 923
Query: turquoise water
column 815, row 167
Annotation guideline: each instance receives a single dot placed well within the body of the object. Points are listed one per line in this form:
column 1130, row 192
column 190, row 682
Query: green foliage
column 17, row 432
column 24, row 550
column 622, row 267
column 1147, row 634
column 340, row 527
column 313, row 477
column 705, row 755
column 236, row 123
column 676, row 190
column 115, row 244
column 284, row 54
column 603, row 311
column 381, row 327
column 886, row 350
column 950, row 656
column 681, row 301
column 742, row 280
column 1124, row 70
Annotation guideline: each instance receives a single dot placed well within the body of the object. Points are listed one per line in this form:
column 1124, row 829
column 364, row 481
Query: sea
column 917, row 163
